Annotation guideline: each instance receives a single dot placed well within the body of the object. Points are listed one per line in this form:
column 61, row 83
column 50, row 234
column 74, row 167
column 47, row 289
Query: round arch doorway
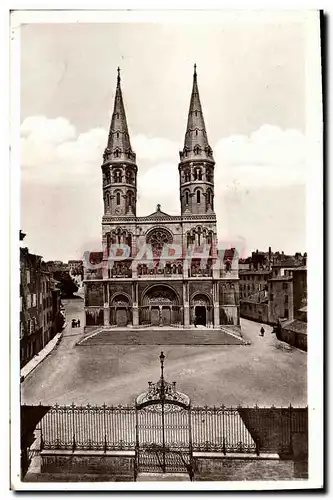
column 202, row 310
column 120, row 310
column 200, row 314
column 160, row 306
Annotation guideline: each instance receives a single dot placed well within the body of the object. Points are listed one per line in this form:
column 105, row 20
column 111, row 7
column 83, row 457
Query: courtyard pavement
column 162, row 336
column 267, row 372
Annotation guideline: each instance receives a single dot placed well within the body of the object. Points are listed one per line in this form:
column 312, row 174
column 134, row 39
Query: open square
column 267, row 372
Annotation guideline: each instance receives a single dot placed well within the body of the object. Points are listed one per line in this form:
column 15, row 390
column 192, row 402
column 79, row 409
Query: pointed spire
column 119, row 144
column 196, row 143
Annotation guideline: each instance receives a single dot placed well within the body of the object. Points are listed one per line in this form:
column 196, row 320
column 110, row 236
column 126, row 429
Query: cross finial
column 158, row 209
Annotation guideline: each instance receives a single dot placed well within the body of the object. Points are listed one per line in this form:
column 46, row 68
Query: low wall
column 208, row 467
column 115, row 465
column 119, row 466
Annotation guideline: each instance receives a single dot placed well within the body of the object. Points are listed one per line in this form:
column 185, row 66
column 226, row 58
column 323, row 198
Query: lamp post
column 162, row 357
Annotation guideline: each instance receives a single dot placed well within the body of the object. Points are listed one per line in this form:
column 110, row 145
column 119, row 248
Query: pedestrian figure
column 73, row 323
column 262, row 331
column 78, row 323
column 195, row 321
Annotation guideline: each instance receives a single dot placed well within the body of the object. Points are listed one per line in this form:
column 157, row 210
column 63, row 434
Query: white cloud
column 40, row 129
column 270, row 156
column 66, row 166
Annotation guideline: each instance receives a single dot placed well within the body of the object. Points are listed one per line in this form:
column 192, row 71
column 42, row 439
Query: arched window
column 107, row 200
column 209, row 197
column 118, row 198
column 186, row 198
column 129, row 241
column 117, row 176
column 196, row 132
column 117, row 135
column 198, row 196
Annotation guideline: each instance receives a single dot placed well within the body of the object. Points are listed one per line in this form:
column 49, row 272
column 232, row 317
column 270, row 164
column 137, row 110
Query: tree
column 66, row 284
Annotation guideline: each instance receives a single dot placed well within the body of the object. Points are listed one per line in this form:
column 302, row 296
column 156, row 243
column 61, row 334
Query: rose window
column 158, row 238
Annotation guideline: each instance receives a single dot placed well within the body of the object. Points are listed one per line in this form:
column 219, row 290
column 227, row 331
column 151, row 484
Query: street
column 267, row 372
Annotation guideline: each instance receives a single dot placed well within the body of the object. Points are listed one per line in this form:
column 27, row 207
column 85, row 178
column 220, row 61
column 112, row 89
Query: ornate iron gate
column 163, row 429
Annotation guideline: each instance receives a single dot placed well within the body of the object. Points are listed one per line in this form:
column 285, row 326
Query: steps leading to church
column 162, row 336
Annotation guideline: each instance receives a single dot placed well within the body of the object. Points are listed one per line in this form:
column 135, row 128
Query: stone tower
column 196, row 167
column 134, row 288
column 119, row 164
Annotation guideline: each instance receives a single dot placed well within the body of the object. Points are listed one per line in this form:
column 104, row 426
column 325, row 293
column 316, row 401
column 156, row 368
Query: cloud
column 40, row 129
column 270, row 156
column 65, row 166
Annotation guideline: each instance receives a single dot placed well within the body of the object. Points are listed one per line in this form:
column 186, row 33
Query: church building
column 151, row 272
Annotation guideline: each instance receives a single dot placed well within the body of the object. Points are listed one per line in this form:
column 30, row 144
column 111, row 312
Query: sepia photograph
column 167, row 179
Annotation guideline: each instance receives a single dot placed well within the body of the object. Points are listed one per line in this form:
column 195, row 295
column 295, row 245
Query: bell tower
column 196, row 167
column 119, row 164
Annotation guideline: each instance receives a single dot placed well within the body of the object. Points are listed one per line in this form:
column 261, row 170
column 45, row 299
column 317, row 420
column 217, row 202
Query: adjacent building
column 54, row 266
column 40, row 316
column 253, row 290
column 164, row 288
column 273, row 290
column 75, row 267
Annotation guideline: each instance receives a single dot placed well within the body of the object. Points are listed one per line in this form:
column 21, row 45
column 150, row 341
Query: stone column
column 186, row 304
column 106, row 296
column 216, row 305
column 160, row 309
column 135, row 309
column 216, row 315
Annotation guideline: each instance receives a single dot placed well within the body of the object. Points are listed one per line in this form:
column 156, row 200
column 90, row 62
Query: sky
column 251, row 79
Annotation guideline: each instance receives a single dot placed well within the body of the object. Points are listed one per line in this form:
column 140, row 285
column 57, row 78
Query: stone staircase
column 162, row 336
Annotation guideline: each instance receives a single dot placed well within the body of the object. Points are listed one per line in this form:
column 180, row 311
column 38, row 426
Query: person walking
column 262, row 331
column 78, row 323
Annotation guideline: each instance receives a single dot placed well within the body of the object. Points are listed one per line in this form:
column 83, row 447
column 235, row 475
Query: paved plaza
column 267, row 372
column 162, row 336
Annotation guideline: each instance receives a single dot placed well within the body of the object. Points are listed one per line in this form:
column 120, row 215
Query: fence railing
column 221, row 429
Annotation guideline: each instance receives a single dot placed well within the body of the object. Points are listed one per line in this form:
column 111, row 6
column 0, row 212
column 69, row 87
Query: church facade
column 160, row 269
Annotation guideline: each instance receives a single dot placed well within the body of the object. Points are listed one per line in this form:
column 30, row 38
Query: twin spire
column 196, row 145
column 119, row 144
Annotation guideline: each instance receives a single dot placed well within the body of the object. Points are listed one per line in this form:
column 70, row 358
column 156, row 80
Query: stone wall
column 242, row 469
column 254, row 311
column 114, row 464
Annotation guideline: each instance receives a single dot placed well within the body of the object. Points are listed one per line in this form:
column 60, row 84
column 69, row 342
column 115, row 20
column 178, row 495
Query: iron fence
column 89, row 428
column 220, row 429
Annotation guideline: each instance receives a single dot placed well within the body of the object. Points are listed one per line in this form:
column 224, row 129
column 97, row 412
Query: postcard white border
column 314, row 227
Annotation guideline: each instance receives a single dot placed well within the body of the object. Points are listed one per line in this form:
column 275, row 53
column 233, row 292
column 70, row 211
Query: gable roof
column 158, row 213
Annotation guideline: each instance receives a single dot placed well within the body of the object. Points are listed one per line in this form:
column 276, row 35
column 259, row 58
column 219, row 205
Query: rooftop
column 295, row 325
